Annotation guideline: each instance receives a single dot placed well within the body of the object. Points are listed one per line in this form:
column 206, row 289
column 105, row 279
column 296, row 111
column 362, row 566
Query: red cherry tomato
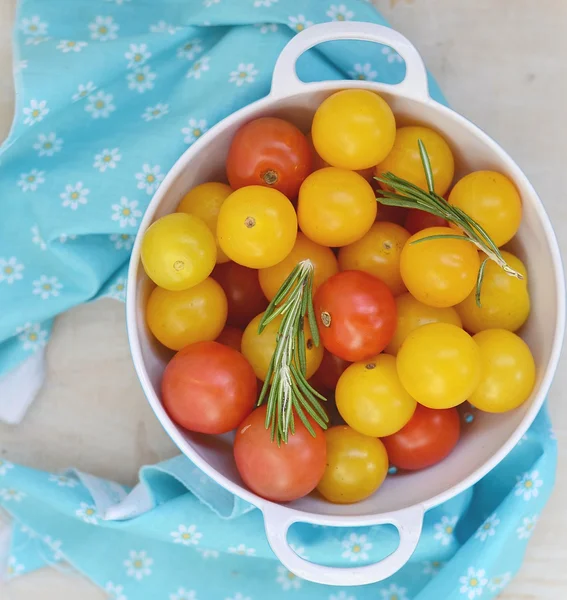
column 231, row 336
column 332, row 367
column 417, row 220
column 356, row 315
column 429, row 437
column 208, row 387
column 283, row 473
column 243, row 292
column 270, row 152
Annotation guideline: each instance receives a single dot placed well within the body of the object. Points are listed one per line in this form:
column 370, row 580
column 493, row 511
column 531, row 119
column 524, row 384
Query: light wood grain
column 502, row 64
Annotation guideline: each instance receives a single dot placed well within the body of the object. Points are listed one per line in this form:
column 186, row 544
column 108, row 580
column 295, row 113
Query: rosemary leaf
column 426, row 166
column 442, row 236
column 480, row 280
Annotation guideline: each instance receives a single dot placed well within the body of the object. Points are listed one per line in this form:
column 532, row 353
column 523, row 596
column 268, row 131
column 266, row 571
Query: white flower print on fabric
column 363, row 72
column 198, row 67
column 54, row 546
column 36, row 41
column 107, row 159
column 190, row 49
column 13, row 569
column 356, row 547
column 266, row 3
column 141, row 79
column 11, row 495
column 392, row 55
column 287, row 579
column 71, row 46
column 552, row 434
column 5, row 466
column 35, row 112
column 394, row 592
column 342, row 595
column 113, row 590
column 242, row 550
column 488, row 528
column 32, row 336
column 47, row 287
column 528, row 485
column 150, row 178
column 209, row 3
column 186, row 535
column 432, row 567
column 155, row 112
column 499, row 582
column 64, row 238
column 87, row 512
column 245, row 73
column 63, row 481
column 183, row 594
column 119, row 2
column 20, row 65
column 100, row 105
column 103, row 29
column 299, row 23
column 126, row 212
column 48, row 144
column 10, row 270
column 137, row 55
column 122, row 241
column 340, row 13
column 206, row 553
column 163, row 27
column 195, row 129
column 445, row 530
column 29, row 532
column 118, row 290
column 239, row 596
column 472, row 584
column 300, row 551
column 138, row 565
column 74, row 195
column 527, row 527
column 29, row 181
column 37, row 239
column 266, row 27
column 33, row 26
column 83, row 91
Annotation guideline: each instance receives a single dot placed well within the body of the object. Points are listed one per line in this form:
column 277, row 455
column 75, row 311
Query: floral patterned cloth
column 110, row 93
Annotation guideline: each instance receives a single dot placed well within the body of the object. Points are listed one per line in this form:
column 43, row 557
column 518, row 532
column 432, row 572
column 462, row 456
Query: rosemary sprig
column 409, row 195
column 286, row 390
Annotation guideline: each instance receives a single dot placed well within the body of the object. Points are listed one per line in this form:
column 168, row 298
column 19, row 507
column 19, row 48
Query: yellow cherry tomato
column 178, row 251
column 204, row 201
column 178, row 319
column 336, row 207
column 405, row 161
column 505, row 301
column 439, row 365
column 322, row 258
column 356, row 466
column 257, row 227
column 353, row 129
column 439, row 272
column 508, row 371
column 492, row 200
column 378, row 253
column 371, row 398
column 412, row 313
column 258, row 348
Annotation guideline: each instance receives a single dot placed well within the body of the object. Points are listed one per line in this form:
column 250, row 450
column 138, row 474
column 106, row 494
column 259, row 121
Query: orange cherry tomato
column 378, row 253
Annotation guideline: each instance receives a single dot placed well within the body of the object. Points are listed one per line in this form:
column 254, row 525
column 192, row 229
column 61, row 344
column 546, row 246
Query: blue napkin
column 110, row 93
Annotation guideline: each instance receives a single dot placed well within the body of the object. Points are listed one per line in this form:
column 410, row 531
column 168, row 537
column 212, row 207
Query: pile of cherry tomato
column 404, row 342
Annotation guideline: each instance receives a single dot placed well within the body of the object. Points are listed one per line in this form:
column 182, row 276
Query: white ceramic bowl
column 402, row 500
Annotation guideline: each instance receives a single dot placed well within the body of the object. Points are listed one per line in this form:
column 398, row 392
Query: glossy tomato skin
column 416, row 220
column 232, row 337
column 332, row 367
column 283, row 473
column 356, row 315
column 243, row 293
column 209, row 388
column 270, row 152
column 428, row 438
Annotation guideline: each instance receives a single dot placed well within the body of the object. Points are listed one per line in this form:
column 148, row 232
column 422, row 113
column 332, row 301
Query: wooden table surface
column 502, row 63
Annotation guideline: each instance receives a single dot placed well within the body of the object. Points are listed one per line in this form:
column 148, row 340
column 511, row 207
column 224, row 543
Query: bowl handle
column 286, row 83
column 408, row 522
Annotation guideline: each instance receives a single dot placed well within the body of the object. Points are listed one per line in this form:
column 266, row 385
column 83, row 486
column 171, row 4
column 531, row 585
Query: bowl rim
column 131, row 301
